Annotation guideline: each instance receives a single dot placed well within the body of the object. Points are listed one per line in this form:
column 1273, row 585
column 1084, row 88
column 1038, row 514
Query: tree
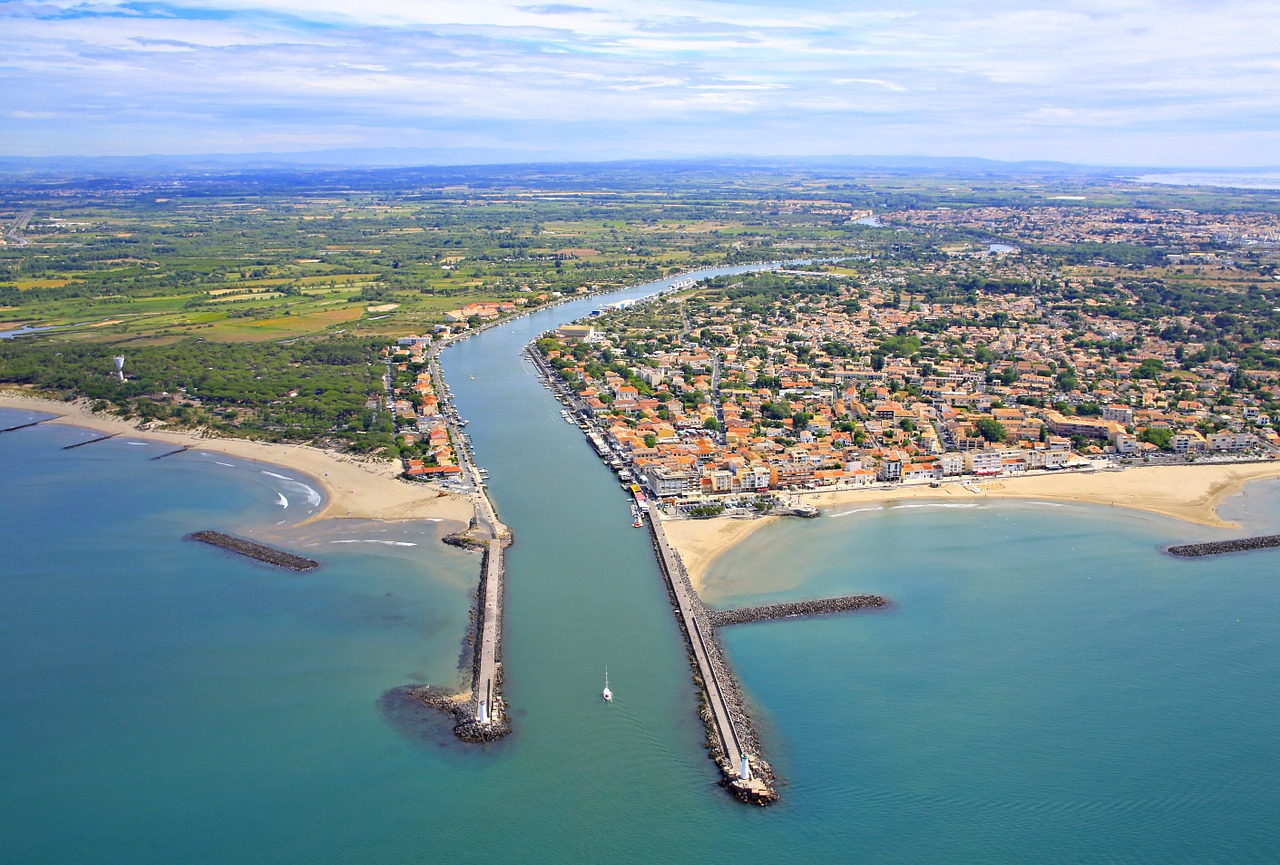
column 1149, row 368
column 990, row 429
column 1158, row 436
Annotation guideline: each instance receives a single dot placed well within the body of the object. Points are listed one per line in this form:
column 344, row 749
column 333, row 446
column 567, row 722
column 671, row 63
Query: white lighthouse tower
column 119, row 359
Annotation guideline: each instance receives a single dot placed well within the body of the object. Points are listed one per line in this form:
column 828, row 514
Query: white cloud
column 809, row 74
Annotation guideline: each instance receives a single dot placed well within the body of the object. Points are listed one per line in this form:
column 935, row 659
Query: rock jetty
column 1217, row 548
column 254, row 550
column 462, row 710
column 820, row 607
column 486, row 679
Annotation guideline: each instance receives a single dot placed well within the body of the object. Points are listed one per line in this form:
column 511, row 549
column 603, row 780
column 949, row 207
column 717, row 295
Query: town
column 955, row 365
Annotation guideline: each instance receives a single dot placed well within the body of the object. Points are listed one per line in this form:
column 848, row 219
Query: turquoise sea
column 1047, row 687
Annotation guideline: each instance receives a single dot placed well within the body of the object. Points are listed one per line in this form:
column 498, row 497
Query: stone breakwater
column 254, row 550
column 487, row 684
column 1217, row 548
column 731, row 735
column 464, row 707
column 821, row 607
column 461, row 709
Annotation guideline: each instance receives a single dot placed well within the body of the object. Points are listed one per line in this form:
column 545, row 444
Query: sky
column 1097, row 82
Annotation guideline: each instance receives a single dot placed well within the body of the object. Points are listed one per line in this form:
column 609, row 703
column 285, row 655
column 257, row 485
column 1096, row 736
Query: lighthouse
column 119, row 359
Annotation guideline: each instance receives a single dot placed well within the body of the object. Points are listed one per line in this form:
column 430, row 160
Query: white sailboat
column 608, row 695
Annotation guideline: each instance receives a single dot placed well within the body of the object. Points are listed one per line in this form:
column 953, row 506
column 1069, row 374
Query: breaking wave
column 375, row 541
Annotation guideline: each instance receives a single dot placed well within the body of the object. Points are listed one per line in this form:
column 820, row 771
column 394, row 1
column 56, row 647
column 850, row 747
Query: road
column 19, row 225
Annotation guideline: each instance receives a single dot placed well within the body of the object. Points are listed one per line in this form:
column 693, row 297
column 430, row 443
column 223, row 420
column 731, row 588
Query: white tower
column 119, row 359
column 745, row 772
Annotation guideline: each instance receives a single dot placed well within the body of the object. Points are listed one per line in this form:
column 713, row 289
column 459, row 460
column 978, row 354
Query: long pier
column 487, row 704
column 734, row 744
column 483, row 717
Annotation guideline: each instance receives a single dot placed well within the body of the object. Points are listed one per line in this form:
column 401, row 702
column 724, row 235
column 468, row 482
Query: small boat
column 608, row 695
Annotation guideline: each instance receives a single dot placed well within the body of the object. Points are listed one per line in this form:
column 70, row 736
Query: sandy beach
column 355, row 488
column 1190, row 493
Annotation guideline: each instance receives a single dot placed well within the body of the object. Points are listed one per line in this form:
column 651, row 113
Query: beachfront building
column 1231, row 441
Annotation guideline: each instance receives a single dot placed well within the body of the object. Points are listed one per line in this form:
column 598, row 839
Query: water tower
column 119, row 359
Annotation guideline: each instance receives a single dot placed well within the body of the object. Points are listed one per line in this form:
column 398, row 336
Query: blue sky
column 1128, row 82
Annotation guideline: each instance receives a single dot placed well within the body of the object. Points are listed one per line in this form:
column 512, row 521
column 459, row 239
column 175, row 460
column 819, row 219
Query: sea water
column 163, row 700
column 1047, row 686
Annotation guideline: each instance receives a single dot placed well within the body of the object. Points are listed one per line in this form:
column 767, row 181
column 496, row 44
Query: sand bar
column 1190, row 493
column 354, row 487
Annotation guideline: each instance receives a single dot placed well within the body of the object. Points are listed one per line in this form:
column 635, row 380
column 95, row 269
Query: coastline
column 353, row 488
column 1188, row 493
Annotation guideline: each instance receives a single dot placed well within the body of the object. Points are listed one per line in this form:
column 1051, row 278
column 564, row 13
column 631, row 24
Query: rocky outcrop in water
column 465, row 541
column 1217, row 548
column 254, row 550
column 807, row 512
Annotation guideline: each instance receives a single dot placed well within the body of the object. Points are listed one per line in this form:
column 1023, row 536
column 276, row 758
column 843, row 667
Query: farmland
column 201, row 279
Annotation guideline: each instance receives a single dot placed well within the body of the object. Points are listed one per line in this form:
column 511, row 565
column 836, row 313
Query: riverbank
column 353, row 487
column 1188, row 493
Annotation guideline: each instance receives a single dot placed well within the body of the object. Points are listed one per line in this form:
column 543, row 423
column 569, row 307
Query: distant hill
column 500, row 159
